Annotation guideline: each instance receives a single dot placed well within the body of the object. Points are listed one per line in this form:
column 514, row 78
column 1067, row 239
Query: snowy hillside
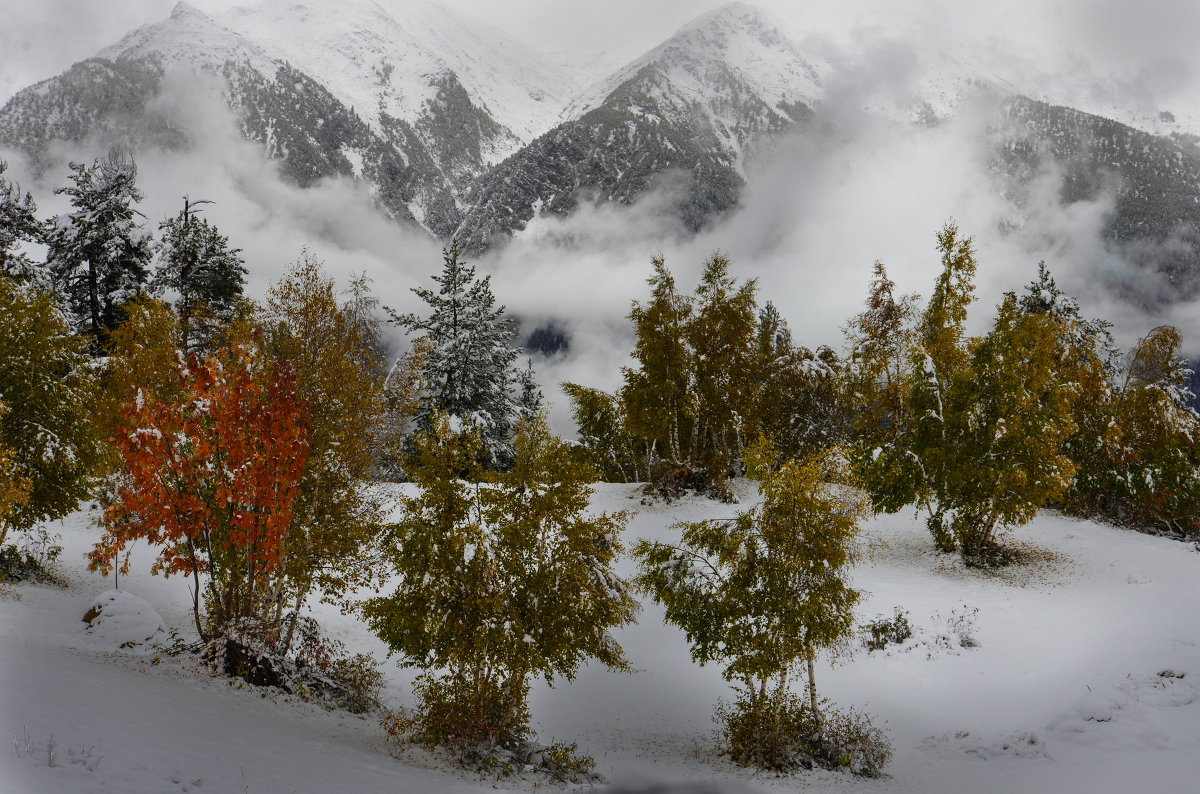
column 463, row 133
column 389, row 59
column 716, row 67
column 697, row 107
column 1084, row 676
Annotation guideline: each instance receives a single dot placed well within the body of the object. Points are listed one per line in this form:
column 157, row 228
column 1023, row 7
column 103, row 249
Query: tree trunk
column 287, row 642
column 812, row 686
column 985, row 535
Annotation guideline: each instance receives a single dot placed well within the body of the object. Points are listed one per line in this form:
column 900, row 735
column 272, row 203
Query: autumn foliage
column 210, row 481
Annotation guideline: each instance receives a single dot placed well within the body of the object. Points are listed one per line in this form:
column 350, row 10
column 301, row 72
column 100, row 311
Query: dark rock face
column 1155, row 223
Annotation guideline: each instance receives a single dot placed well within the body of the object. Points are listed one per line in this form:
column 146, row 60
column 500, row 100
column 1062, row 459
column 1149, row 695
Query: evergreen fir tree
column 469, row 361
column 529, row 400
column 196, row 262
column 99, row 253
column 18, row 223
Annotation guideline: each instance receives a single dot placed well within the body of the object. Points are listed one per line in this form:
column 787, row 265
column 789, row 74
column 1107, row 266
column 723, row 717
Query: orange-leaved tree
column 211, row 479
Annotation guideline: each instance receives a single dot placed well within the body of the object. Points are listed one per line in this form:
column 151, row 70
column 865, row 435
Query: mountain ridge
column 453, row 133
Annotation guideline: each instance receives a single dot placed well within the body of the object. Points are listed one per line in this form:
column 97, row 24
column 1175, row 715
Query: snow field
column 1063, row 692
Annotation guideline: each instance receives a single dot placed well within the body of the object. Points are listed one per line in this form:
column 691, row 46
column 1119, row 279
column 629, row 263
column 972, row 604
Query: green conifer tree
column 99, row 253
column 469, row 358
column 196, row 262
column 18, row 224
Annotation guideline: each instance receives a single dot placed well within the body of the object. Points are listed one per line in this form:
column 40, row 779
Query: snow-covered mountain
column 406, row 62
column 466, row 133
column 698, row 104
column 417, row 105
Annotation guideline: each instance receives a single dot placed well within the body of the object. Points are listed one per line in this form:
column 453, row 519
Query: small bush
column 992, row 556
column 32, row 559
column 518, row 752
column 780, row 732
column 316, row 666
column 881, row 632
column 670, row 481
column 472, row 723
column 959, row 628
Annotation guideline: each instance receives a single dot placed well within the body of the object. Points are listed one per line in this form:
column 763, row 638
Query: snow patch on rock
column 120, row 619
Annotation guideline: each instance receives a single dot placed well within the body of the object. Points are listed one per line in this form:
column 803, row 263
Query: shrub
column 781, row 732
column 316, row 667
column 881, row 632
column 32, row 558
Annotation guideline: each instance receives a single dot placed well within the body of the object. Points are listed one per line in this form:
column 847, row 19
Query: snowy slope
column 736, row 35
column 731, row 69
column 189, row 39
column 385, row 58
column 1086, row 678
column 699, row 106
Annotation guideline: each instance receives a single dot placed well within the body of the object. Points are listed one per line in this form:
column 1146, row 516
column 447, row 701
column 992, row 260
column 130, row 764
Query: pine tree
column 529, row 398
column 469, row 364
column 196, row 262
column 499, row 582
column 18, row 224
column 99, row 253
column 800, row 402
column 767, row 591
column 49, row 388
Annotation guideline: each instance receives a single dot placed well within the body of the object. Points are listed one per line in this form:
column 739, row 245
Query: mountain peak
column 182, row 10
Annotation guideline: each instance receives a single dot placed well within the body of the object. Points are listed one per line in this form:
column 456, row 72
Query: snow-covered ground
column 1086, row 677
